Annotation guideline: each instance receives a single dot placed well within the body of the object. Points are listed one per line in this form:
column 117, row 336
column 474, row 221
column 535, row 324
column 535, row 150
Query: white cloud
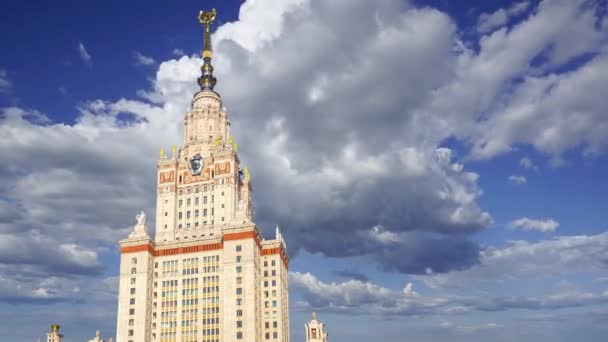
column 5, row 83
column 517, row 87
column 84, row 55
column 527, row 163
column 546, row 225
column 178, row 52
column 517, row 179
column 556, row 257
column 488, row 22
column 366, row 152
column 358, row 297
column 140, row 59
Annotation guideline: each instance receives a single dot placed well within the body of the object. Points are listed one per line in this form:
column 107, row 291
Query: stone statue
column 141, row 218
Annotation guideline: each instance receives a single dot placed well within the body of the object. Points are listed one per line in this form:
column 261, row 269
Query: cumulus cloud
column 140, row 59
column 546, row 225
column 345, row 137
column 84, row 54
column 517, row 179
column 178, row 52
column 554, row 257
column 357, row 297
column 516, row 87
column 490, row 21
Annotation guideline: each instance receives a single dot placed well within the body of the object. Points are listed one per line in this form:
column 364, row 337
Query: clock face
column 196, row 164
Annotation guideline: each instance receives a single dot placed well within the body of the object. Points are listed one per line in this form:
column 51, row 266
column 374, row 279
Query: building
column 54, row 335
column 208, row 275
column 315, row 330
column 98, row 338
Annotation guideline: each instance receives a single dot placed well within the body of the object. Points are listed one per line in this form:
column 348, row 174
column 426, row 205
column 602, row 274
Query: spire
column 207, row 81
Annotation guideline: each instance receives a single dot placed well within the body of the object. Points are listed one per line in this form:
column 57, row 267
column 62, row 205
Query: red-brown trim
column 172, row 251
column 244, row 235
column 138, row 248
column 276, row 250
column 189, row 249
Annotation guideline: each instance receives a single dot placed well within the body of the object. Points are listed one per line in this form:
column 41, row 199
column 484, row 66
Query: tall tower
column 315, row 330
column 54, row 335
column 207, row 275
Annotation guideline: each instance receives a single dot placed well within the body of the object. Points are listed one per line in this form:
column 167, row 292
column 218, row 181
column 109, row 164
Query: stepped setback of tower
column 207, row 275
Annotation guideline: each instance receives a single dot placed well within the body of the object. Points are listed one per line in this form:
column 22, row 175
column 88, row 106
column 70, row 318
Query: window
column 196, row 213
column 222, row 218
column 239, row 280
column 273, row 263
column 274, row 283
column 166, row 213
column 274, row 273
column 222, row 205
column 132, row 290
column 222, row 193
column 239, row 335
column 205, row 198
column 196, row 189
column 265, row 273
column 131, row 321
column 204, row 212
column 188, row 214
column 238, row 269
column 239, row 313
column 239, row 324
column 179, row 215
column 267, row 336
column 267, row 325
column 132, row 301
column 275, row 335
column 196, row 201
column 239, row 290
column 130, row 332
column 132, row 281
column 265, row 263
column 274, row 324
column 134, row 261
column 239, row 258
column 265, row 294
column 180, row 203
column 265, row 283
column 274, row 303
column 188, row 201
column 133, row 270
column 131, row 311
column 238, row 248
column 239, row 301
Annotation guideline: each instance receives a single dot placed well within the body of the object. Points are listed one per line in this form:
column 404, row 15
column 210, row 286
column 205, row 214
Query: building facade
column 315, row 330
column 208, row 275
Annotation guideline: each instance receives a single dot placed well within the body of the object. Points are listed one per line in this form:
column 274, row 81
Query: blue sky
column 437, row 167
